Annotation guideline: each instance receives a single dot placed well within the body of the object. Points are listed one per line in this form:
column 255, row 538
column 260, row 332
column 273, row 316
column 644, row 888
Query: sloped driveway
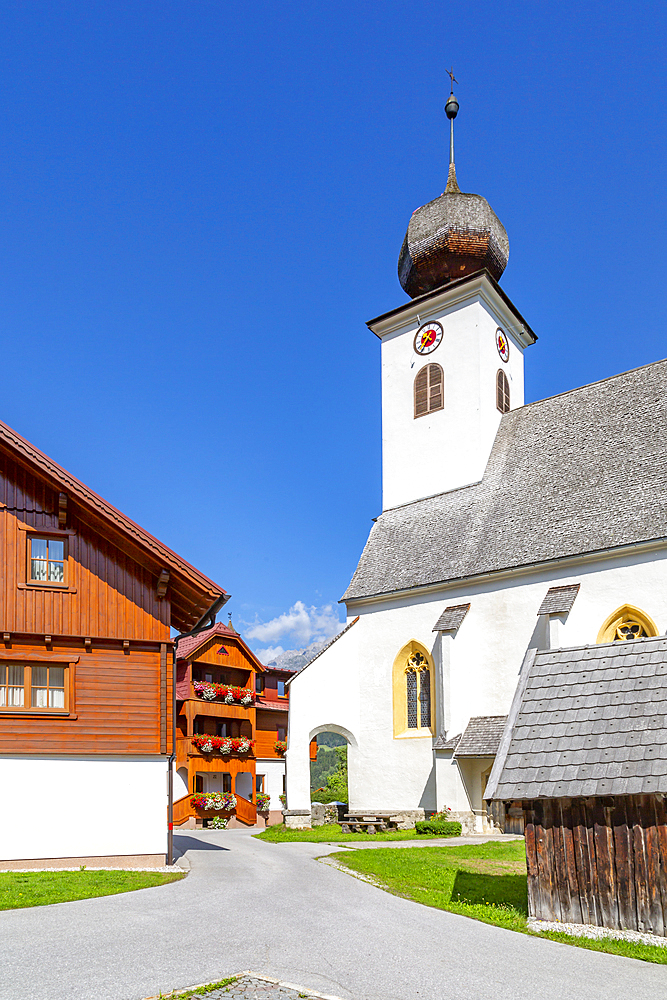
column 273, row 909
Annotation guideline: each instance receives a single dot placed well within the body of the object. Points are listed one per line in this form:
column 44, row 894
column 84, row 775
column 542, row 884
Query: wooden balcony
column 245, row 811
column 185, row 749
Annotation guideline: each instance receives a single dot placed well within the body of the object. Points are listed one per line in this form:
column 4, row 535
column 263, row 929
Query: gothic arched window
column 502, row 392
column 418, row 691
column 627, row 623
column 413, row 683
column 429, row 390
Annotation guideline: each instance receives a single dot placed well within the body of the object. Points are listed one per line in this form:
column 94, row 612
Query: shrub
column 217, row 823
column 446, row 828
column 326, row 795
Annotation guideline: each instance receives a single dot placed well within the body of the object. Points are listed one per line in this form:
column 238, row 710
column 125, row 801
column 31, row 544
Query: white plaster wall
column 323, row 697
column 273, row 771
column 349, row 687
column 502, row 624
column 72, row 807
column 450, row 447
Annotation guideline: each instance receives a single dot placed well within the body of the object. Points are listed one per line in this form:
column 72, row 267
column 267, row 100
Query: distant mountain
column 296, row 659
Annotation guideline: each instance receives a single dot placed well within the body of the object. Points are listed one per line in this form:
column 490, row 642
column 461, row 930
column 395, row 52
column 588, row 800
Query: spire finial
column 451, row 110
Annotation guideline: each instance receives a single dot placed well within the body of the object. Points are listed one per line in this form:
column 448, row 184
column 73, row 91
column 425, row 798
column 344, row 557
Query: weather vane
column 451, row 110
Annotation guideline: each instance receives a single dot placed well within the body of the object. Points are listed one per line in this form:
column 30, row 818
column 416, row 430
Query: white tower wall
column 448, row 448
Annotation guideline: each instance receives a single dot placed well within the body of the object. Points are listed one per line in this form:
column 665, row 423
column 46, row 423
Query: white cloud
column 301, row 624
column 269, row 654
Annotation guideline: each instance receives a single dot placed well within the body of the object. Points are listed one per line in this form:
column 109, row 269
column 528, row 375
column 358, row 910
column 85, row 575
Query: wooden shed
column 584, row 756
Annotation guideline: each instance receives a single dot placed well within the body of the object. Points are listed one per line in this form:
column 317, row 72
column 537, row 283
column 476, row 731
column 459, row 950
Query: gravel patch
column 591, row 931
column 252, row 986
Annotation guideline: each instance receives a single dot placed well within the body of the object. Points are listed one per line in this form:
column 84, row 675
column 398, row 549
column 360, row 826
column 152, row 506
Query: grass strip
column 332, row 833
column 484, row 881
column 198, row 991
column 21, row 889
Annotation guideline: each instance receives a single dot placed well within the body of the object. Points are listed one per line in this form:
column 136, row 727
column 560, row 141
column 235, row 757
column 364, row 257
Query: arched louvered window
column 502, row 392
column 429, row 390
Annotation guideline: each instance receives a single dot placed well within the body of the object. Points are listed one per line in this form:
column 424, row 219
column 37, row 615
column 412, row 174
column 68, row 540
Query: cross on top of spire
column 450, row 74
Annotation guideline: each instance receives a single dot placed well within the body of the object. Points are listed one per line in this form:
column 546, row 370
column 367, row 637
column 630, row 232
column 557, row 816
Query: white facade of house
column 60, row 807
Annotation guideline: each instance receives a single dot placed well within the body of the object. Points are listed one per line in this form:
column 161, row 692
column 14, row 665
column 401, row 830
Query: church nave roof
column 575, row 473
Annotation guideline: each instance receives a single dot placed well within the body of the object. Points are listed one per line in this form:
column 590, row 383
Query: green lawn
column 331, row 833
column 19, row 889
column 483, row 881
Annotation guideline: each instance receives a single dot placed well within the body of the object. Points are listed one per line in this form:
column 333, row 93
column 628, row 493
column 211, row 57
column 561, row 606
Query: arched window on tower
column 627, row 623
column 429, row 390
column 502, row 392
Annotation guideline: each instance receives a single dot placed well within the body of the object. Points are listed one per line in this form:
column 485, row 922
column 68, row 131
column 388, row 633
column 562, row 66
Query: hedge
column 446, row 828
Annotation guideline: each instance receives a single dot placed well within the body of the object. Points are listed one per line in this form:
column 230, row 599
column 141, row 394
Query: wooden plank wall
column 109, row 594
column 117, row 705
column 599, row 861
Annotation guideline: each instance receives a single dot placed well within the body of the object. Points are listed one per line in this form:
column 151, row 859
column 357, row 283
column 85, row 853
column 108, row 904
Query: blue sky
column 202, row 203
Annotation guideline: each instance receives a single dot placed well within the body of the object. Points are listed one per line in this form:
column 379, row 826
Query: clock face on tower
column 502, row 344
column 428, row 337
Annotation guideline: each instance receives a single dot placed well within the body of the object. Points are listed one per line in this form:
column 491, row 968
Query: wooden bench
column 359, row 823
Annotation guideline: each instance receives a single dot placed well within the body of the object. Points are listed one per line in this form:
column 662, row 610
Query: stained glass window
column 425, row 698
column 411, row 677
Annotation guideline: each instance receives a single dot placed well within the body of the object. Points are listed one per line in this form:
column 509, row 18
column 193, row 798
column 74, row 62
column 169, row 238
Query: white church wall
column 450, row 447
column 323, row 698
column 478, row 666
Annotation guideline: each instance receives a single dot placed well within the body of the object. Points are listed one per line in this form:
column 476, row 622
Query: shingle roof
column 481, row 737
column 191, row 642
column 587, row 721
column 559, row 600
column 191, row 593
column 442, row 743
column 451, row 618
column 579, row 472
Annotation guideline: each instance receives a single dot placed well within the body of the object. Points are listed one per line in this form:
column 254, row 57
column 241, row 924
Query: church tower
column 452, row 359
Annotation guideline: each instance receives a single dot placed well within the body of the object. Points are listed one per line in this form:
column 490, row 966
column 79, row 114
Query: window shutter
column 434, row 387
column 429, row 386
column 502, row 392
column 421, row 393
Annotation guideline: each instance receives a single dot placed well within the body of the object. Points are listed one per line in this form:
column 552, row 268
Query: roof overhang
column 480, row 284
column 191, row 593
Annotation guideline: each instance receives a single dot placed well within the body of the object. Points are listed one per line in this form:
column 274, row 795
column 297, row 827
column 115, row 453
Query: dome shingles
column 451, row 237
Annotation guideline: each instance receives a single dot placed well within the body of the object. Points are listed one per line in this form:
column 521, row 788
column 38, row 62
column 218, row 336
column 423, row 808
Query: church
column 506, row 527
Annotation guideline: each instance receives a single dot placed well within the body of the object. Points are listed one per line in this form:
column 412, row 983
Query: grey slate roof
column 481, row 737
column 447, row 744
column 559, row 600
column 451, row 618
column 575, row 473
column 587, row 721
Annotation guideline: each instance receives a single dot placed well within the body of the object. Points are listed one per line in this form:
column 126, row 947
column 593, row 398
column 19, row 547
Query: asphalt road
column 274, row 909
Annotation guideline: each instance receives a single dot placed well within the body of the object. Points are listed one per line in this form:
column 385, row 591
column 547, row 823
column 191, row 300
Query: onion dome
column 455, row 235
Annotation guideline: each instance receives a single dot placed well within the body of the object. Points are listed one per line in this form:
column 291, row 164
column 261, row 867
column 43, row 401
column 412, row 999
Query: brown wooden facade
column 600, row 861
column 104, row 617
column 220, row 656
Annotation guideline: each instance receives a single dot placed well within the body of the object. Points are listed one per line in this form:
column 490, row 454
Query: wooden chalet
column 583, row 760
column 231, row 731
column 88, row 600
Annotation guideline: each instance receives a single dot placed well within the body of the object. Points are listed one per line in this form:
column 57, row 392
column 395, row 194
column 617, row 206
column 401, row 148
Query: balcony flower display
column 280, row 746
column 263, row 801
column 214, row 800
column 225, row 744
column 229, row 694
